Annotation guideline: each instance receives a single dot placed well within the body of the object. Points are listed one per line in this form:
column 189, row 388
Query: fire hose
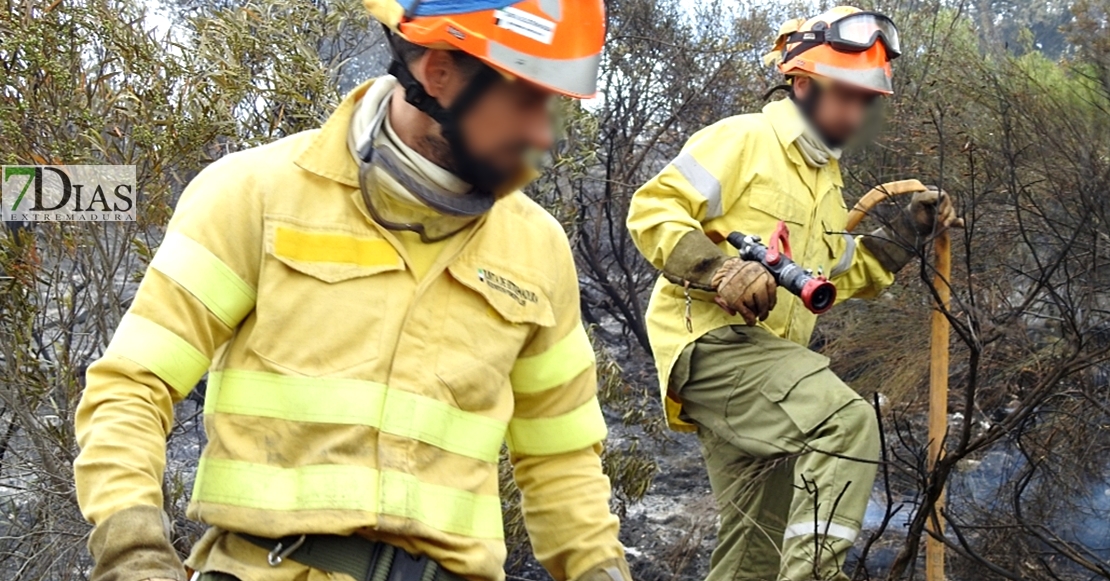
column 938, row 350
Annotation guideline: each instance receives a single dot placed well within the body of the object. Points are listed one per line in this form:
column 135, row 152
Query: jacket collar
column 788, row 123
column 327, row 154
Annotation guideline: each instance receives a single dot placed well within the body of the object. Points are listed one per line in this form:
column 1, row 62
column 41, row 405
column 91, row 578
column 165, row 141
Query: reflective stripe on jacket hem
column 347, row 488
column 356, row 402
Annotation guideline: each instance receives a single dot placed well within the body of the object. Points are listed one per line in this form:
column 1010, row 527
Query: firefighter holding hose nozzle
column 790, row 448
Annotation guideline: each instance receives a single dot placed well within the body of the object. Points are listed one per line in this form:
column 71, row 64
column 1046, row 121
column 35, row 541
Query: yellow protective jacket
column 745, row 173
column 345, row 394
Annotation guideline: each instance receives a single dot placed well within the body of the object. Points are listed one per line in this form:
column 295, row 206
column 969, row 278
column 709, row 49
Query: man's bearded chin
column 835, row 142
column 481, row 174
column 834, row 139
column 487, row 177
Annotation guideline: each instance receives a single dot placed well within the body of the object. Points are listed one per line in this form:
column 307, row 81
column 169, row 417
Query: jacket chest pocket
column 326, row 297
column 492, row 312
column 778, row 205
column 766, row 207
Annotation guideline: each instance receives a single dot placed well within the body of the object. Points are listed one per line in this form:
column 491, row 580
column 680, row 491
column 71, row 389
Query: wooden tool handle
column 938, row 349
column 878, row 194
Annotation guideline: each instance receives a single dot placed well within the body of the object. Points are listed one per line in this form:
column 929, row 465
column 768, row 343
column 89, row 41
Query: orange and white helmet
column 843, row 44
column 552, row 44
column 555, row 44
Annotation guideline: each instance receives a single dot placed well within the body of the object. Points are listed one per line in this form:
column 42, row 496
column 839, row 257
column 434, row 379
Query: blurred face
column 508, row 122
column 837, row 111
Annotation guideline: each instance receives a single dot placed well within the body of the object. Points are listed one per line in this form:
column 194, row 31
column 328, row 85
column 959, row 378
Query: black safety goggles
column 853, row 33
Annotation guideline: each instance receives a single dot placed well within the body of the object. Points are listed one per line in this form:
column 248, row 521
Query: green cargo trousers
column 791, row 452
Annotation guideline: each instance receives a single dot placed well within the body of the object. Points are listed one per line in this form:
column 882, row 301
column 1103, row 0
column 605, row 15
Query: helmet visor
column 859, row 32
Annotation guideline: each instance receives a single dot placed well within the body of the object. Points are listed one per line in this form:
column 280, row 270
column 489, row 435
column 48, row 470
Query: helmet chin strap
column 465, row 165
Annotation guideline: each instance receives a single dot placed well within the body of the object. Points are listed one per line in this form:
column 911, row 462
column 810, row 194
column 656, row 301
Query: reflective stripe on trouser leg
column 808, row 557
column 823, row 528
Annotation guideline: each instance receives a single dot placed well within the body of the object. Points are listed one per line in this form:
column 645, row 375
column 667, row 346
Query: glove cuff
column 608, row 570
column 134, row 545
column 694, row 260
column 891, row 250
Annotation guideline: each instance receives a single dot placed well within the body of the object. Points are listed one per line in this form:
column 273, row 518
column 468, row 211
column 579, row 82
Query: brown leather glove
column 929, row 212
column 933, row 211
column 742, row 287
column 745, row 288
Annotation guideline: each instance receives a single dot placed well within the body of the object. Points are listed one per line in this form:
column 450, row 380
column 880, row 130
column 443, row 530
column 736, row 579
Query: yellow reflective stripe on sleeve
column 348, row 487
column 575, row 430
column 171, row 358
column 561, row 363
column 351, row 401
column 328, row 247
column 206, row 277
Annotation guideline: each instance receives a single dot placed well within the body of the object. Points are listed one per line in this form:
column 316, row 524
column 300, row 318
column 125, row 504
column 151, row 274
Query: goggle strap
column 817, row 36
column 806, row 41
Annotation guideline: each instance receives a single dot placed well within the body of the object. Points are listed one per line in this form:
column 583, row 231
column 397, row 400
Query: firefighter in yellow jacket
column 378, row 308
column 791, row 450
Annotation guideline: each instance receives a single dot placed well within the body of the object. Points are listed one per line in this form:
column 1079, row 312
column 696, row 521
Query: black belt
column 356, row 556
